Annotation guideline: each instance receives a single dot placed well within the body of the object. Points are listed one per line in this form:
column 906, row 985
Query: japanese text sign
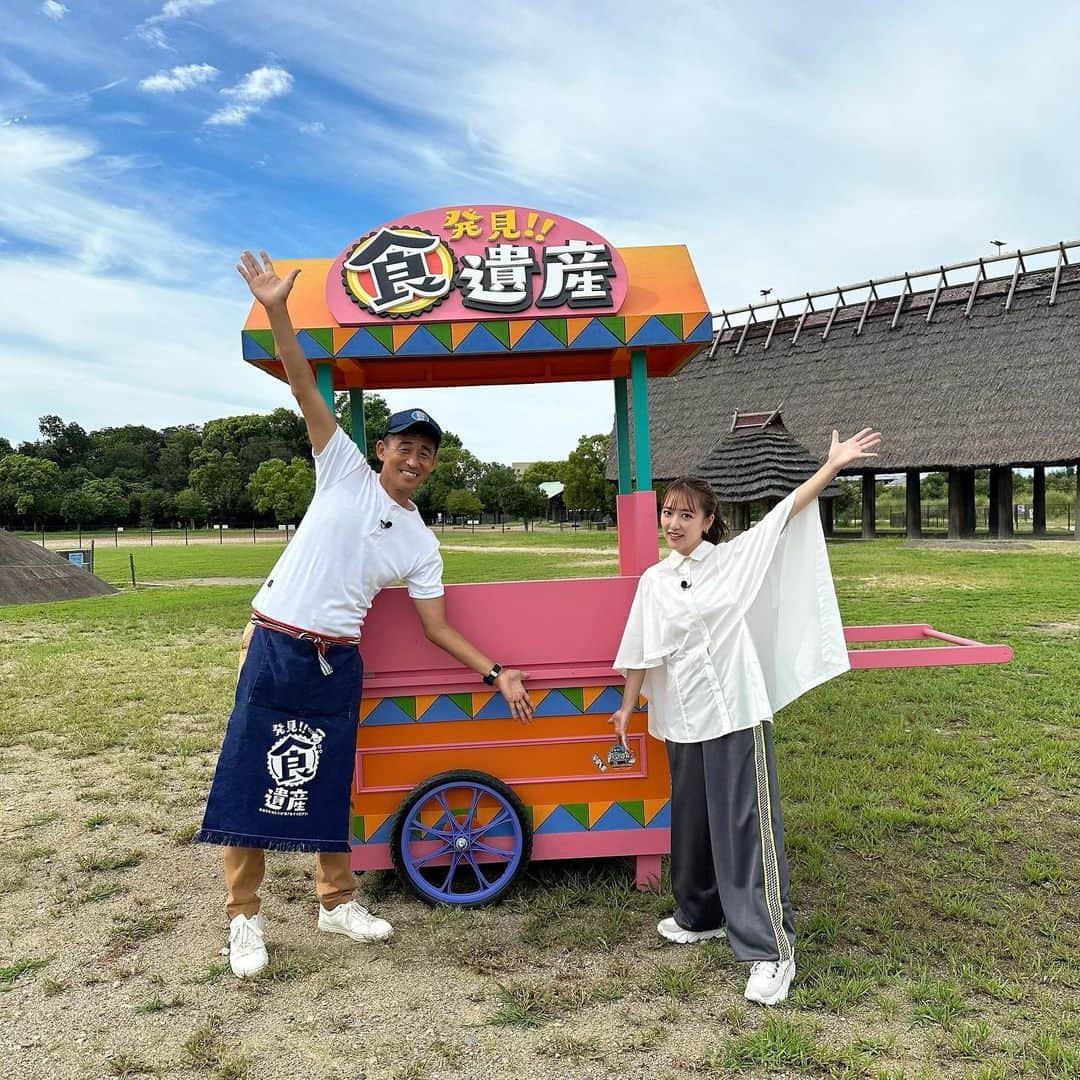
column 472, row 262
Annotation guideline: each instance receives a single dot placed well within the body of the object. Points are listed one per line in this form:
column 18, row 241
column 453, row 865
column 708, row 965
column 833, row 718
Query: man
column 284, row 774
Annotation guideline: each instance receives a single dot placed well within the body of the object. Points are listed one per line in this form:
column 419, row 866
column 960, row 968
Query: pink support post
column 638, row 546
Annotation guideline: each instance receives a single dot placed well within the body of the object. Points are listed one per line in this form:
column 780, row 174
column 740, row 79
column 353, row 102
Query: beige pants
column 245, row 867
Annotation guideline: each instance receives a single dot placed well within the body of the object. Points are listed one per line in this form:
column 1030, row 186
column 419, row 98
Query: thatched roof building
column 956, row 376
column 29, row 574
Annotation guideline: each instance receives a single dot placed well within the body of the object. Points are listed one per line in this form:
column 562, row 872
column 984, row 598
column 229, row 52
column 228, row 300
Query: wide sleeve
column 747, row 559
column 793, row 616
column 642, row 644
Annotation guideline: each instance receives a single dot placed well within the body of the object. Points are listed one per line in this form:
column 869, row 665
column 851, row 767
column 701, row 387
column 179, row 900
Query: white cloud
column 179, row 78
column 253, row 91
column 104, row 350
column 150, row 29
column 54, row 10
column 58, row 192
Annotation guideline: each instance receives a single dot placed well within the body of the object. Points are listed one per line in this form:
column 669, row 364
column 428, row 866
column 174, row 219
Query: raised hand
column 859, row 446
column 265, row 285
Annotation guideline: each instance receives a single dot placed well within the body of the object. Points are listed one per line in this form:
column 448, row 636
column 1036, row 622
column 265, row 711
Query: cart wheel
column 460, row 838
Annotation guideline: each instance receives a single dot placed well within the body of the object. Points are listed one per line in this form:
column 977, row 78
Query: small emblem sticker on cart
column 598, row 763
column 618, row 757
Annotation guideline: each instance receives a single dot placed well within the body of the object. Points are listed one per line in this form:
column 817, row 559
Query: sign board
column 468, row 262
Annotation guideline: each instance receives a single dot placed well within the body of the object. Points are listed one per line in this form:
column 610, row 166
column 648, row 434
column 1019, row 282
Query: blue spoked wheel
column 460, row 839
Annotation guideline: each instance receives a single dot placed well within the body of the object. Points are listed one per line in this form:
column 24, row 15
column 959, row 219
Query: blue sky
column 142, row 145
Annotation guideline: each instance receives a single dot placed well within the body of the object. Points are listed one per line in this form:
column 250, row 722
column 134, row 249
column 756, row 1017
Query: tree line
column 252, row 468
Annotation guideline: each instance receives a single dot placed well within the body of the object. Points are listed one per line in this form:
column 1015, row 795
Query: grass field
column 931, row 820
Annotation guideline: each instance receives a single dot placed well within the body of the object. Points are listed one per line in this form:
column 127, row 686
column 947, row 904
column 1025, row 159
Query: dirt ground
column 123, row 914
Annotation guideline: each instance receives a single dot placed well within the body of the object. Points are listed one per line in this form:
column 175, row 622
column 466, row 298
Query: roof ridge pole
column 639, row 378
column 745, row 329
column 942, row 282
column 1015, row 278
column 622, row 437
column 772, row 325
column 1063, row 260
column 900, row 303
column 802, row 318
column 870, row 296
column 832, row 314
column 719, row 333
column 980, row 275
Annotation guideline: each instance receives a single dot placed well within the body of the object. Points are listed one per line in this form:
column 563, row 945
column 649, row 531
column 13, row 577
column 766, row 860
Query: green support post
column 324, row 376
column 639, row 383
column 356, row 410
column 622, row 437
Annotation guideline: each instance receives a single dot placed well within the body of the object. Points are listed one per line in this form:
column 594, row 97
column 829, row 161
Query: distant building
column 519, row 467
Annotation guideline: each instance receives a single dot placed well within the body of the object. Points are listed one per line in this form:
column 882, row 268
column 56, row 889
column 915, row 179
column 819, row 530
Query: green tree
column 253, row 438
column 29, row 487
column 111, row 498
column 284, row 490
column 493, row 486
column 129, row 453
column 5, row 447
column 217, row 478
column 66, row 444
column 174, row 461
column 526, row 501
column 191, row 507
column 585, row 480
column 80, row 507
column 541, row 472
column 376, row 413
column 151, row 505
column 463, row 503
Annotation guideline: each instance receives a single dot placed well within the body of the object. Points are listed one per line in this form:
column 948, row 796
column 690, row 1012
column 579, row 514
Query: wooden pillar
column 992, row 506
column 1001, row 501
column 913, row 504
column 869, row 505
column 356, row 412
column 961, row 503
column 826, row 507
column 1038, row 501
column 740, row 518
column 969, row 502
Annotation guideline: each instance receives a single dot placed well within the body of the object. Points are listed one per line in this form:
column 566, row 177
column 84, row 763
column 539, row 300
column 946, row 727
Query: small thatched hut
column 970, row 372
column 758, row 459
column 29, row 574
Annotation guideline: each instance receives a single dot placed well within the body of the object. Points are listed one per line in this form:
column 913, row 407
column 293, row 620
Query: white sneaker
column 670, row 929
column 355, row 922
column 247, row 950
column 769, row 981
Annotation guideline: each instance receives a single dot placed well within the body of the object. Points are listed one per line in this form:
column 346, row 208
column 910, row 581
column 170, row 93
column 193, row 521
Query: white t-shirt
column 343, row 553
column 756, row 627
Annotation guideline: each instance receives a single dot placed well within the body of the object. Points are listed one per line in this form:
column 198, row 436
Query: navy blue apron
column 284, row 776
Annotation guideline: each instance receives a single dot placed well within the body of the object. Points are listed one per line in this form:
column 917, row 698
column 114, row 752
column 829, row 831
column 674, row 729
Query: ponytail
column 700, row 496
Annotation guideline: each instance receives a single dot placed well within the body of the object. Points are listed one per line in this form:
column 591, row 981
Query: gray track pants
column 727, row 843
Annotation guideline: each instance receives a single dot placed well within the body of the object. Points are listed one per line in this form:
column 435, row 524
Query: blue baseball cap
column 413, row 420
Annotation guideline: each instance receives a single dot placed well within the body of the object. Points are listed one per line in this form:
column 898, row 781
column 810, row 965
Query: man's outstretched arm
column 510, row 681
column 273, row 293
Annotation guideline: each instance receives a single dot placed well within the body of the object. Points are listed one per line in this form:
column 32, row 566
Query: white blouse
column 755, row 627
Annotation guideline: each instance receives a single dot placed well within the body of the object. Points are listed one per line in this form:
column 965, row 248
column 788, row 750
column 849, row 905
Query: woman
column 718, row 639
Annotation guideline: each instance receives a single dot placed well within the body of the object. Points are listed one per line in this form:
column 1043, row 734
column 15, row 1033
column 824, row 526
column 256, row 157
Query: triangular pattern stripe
column 421, row 343
column 480, row 340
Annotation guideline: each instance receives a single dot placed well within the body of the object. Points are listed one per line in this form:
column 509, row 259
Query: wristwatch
column 491, row 676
